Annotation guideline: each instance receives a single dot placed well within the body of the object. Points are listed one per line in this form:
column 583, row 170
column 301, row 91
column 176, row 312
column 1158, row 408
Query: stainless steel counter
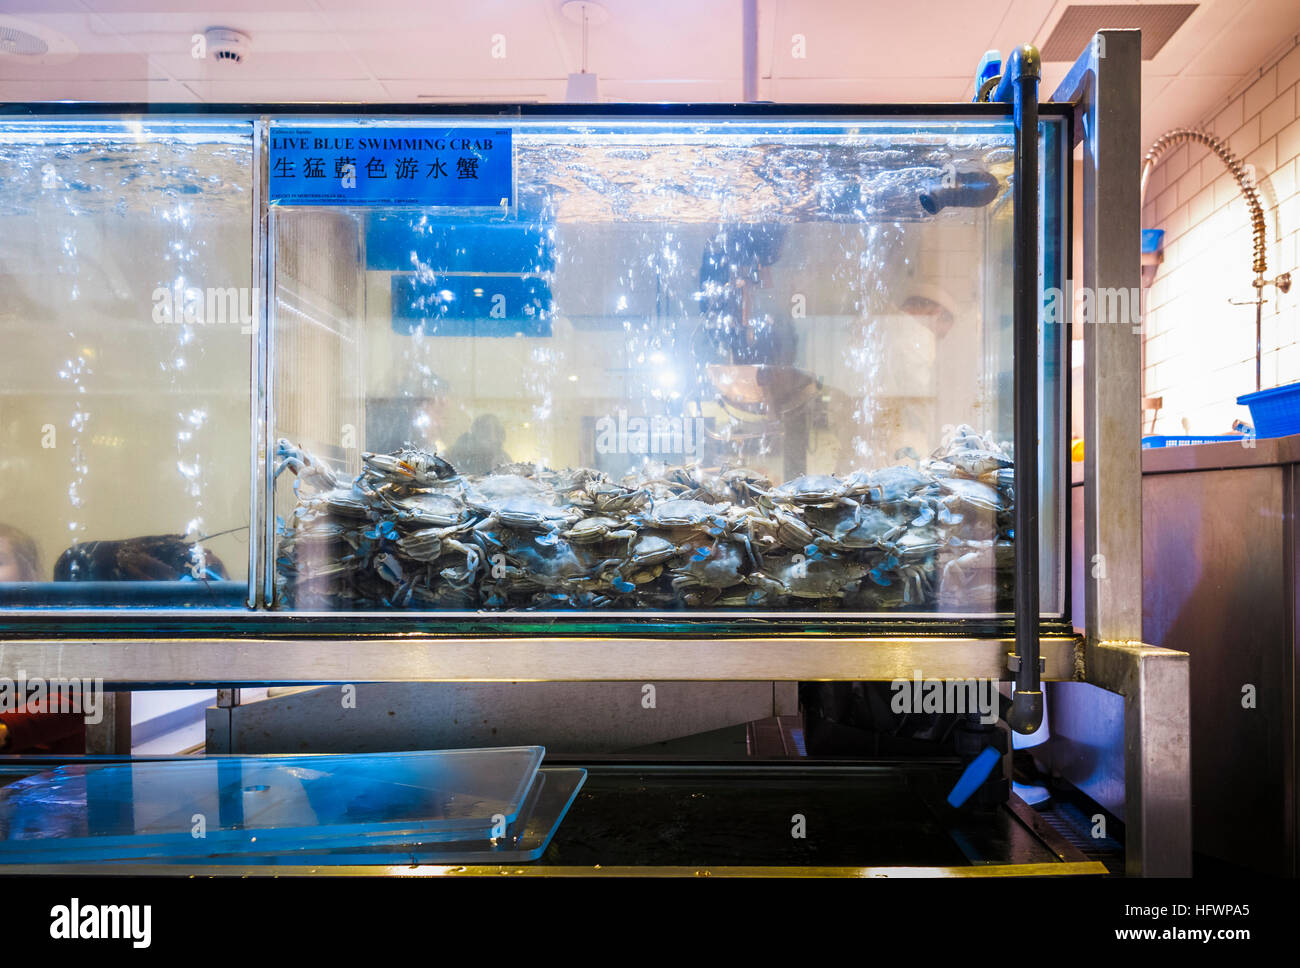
column 1219, row 542
column 1220, row 560
column 1269, row 452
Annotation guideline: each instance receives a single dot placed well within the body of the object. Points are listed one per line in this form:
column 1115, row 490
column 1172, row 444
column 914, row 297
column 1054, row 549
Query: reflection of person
column 481, row 448
column 902, row 393
column 932, row 306
column 34, row 730
column 19, row 559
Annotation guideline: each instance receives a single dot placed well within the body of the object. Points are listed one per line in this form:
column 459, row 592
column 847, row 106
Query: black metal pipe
column 1019, row 87
column 969, row 189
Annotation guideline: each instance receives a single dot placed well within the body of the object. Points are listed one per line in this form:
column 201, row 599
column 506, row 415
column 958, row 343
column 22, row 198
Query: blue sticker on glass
column 369, row 165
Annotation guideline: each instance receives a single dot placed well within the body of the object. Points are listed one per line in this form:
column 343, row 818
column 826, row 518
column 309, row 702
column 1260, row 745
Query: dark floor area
column 787, row 815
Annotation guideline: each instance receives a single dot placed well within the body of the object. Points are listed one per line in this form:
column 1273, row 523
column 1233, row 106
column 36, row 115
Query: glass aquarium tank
column 127, row 322
column 629, row 361
column 706, row 365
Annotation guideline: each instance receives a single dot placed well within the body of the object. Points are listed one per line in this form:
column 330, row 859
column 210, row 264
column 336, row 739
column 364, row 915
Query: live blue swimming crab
column 683, row 519
column 427, row 509
column 813, row 489
column 430, row 544
column 599, row 528
column 523, row 513
column 407, row 466
column 531, row 562
column 813, row 576
column 305, row 467
column 604, row 497
column 970, row 454
column 709, row 564
column 643, row 563
column 853, row 527
column 972, row 572
column 410, row 532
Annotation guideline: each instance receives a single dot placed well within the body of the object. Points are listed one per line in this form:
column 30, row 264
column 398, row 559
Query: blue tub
column 1275, row 412
column 1152, row 441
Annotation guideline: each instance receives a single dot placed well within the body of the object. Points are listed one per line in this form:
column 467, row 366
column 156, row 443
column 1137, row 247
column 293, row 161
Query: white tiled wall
column 1200, row 348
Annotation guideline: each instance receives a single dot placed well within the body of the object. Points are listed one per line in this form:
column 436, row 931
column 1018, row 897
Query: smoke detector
column 226, row 46
column 34, row 43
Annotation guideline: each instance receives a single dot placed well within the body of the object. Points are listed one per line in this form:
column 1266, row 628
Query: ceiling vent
column 225, row 46
column 22, row 44
column 1073, row 32
column 34, row 43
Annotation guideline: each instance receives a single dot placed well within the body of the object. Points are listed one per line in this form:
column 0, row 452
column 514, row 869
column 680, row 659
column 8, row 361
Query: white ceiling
column 652, row 50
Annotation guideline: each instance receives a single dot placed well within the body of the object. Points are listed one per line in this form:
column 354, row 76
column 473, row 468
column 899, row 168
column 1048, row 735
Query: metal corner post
column 1105, row 87
column 1110, row 114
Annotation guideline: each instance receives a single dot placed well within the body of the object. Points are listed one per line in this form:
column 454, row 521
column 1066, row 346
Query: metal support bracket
column 1013, row 663
column 112, row 734
column 1157, row 752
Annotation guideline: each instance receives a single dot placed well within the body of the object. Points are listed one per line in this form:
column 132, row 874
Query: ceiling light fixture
column 582, row 87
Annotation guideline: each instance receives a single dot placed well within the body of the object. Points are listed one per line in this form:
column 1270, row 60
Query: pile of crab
column 409, row 532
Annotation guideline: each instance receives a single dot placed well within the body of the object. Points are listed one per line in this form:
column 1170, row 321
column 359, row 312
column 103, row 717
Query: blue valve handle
column 975, row 774
column 990, row 67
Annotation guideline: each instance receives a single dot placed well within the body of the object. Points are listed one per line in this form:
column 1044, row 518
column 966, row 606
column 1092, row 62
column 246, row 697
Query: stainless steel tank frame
column 1104, row 86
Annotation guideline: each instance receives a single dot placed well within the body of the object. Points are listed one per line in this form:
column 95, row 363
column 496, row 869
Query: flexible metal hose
column 1235, row 168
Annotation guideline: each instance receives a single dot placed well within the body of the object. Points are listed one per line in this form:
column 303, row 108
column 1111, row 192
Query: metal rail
column 1074, row 868
column 140, row 662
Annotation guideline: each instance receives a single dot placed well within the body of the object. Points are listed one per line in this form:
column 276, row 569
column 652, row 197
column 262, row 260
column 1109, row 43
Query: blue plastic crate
column 1153, row 441
column 1275, row 412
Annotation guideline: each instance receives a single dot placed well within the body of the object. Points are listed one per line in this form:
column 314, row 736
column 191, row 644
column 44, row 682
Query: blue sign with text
column 372, row 165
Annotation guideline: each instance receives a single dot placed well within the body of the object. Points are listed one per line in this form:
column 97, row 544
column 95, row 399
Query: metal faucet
column 1259, row 264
